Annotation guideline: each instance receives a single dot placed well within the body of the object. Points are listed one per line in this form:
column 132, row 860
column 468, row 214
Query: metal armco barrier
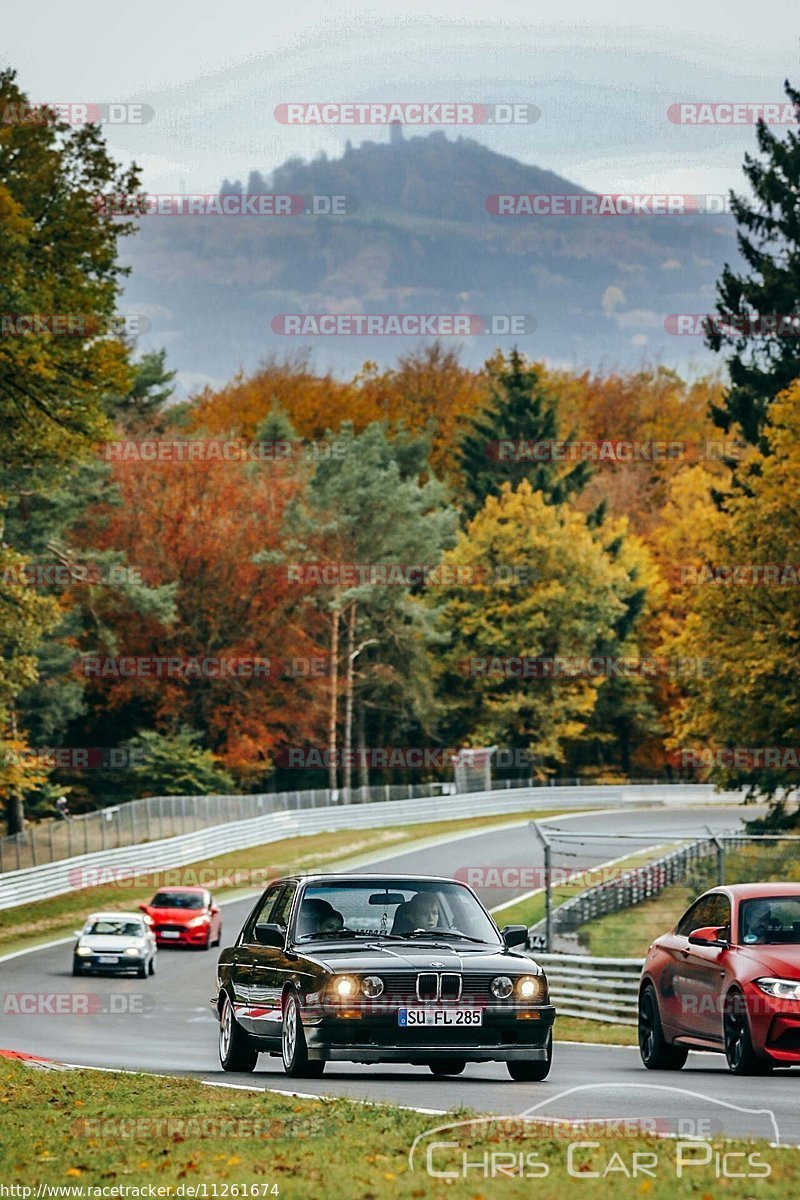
column 600, row 989
column 633, row 885
column 65, row 875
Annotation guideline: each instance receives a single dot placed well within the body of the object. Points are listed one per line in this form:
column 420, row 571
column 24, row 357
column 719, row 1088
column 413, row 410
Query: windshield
column 772, row 919
column 110, row 928
column 403, row 910
column 178, row 900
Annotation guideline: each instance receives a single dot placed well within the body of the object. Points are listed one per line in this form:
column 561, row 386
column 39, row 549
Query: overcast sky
column 602, row 74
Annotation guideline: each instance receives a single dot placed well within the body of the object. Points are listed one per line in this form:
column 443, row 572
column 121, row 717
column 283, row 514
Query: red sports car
column 726, row 978
column 185, row 916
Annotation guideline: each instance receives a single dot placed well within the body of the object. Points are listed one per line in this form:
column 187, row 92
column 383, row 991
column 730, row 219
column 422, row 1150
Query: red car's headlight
column 198, row 921
column 781, row 989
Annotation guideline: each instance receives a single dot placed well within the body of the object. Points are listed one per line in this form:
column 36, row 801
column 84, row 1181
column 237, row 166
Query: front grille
column 450, row 987
column 427, row 987
column 170, row 928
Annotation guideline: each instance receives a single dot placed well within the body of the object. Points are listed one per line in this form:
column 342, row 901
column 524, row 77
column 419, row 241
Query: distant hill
column 421, row 241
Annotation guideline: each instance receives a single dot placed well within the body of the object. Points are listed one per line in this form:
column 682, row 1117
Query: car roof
column 115, row 916
column 180, row 888
column 384, row 877
column 759, row 891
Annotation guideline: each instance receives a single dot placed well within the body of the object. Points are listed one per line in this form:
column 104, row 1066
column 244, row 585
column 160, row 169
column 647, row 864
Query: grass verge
column 579, row 1029
column 627, row 934
column 47, row 920
column 531, row 909
column 177, row 1135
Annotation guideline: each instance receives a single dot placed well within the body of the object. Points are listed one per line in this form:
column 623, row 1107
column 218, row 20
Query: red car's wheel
column 655, row 1051
column 739, row 1051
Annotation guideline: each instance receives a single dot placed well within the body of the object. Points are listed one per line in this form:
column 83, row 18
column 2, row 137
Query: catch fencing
column 57, row 877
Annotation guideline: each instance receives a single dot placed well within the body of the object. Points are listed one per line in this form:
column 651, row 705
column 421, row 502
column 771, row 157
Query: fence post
column 720, row 856
column 548, row 898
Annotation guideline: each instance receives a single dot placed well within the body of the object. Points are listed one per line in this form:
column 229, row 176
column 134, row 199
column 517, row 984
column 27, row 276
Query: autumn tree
column 563, row 599
column 751, row 627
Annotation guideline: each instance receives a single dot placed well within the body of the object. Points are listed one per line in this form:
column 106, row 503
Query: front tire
column 294, row 1050
column 532, row 1071
column 654, row 1050
column 77, row 967
column 142, row 971
column 441, row 1068
column 739, row 1051
column 236, row 1051
column 152, row 968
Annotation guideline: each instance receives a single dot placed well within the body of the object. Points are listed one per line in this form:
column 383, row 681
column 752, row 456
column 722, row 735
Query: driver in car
column 318, row 916
column 420, row 912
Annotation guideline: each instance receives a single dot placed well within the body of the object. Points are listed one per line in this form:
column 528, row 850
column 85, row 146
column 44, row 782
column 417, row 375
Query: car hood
column 175, row 916
column 394, row 956
column 110, row 945
column 783, row 961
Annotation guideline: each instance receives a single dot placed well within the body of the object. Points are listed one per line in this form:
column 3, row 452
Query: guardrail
column 69, row 874
column 599, row 989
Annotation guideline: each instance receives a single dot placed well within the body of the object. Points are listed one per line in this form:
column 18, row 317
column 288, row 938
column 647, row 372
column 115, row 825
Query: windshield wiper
column 447, row 933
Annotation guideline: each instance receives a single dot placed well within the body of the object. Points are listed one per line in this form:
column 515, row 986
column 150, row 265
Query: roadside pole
column 548, row 904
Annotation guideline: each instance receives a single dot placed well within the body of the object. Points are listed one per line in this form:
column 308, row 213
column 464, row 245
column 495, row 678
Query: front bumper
column 186, row 937
column 506, row 1034
column 774, row 1026
column 126, row 963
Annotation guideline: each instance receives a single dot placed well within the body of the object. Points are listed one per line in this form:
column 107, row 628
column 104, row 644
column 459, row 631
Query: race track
column 168, row 1027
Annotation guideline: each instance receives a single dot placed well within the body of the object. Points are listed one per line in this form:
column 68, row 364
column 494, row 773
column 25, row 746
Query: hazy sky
column 602, row 74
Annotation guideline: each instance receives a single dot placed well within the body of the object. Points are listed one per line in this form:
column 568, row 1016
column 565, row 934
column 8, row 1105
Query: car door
column 685, row 986
column 241, row 968
column 268, row 968
column 705, row 968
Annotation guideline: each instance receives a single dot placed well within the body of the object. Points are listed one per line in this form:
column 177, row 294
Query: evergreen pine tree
column 521, row 410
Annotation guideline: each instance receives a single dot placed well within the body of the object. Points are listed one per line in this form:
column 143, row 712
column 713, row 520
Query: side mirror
column 270, row 935
column 143, row 907
column 213, row 910
column 709, row 935
column 514, row 935
column 77, row 932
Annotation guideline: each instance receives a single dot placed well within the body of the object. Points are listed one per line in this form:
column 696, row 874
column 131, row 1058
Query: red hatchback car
column 185, row 916
column 726, row 978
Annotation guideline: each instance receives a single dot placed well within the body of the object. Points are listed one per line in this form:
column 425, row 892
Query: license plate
column 170, row 933
column 440, row 1016
column 108, row 958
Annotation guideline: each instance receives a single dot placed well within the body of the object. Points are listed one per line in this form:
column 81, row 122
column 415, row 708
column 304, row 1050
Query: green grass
column 64, row 1128
column 47, row 920
column 627, row 934
column 579, row 1029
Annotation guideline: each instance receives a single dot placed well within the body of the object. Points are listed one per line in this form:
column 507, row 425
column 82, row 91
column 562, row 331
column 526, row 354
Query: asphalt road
column 164, row 1024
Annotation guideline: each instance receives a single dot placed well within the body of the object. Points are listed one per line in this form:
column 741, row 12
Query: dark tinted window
column 708, row 910
column 178, row 900
column 264, row 914
column 280, row 914
column 773, row 919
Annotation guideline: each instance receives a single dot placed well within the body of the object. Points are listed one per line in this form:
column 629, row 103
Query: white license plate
column 440, row 1016
column 169, row 933
column 108, row 958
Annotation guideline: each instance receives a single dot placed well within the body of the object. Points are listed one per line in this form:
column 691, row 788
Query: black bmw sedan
column 370, row 969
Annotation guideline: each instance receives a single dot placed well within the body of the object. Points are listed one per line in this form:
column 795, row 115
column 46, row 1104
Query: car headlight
column 781, row 989
column 198, row 921
column 344, row 986
column 502, row 987
column 83, row 951
column 372, row 986
column 134, row 951
column 531, row 988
